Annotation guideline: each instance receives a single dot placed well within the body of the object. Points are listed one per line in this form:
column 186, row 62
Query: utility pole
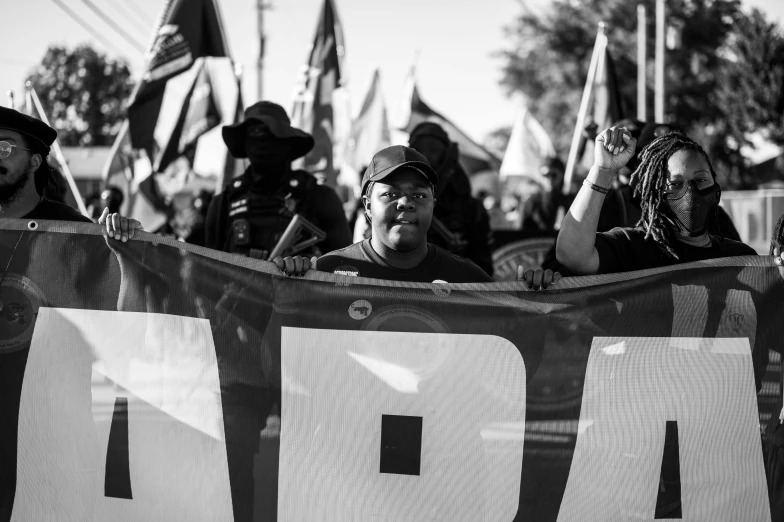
column 260, row 7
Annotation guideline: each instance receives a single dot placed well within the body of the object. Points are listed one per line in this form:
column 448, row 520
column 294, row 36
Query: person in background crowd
column 679, row 196
column 251, row 214
column 461, row 224
column 112, row 199
column 541, row 210
column 200, row 204
column 398, row 195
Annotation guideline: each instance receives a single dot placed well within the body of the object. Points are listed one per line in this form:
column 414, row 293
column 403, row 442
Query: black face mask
column 269, row 154
column 690, row 208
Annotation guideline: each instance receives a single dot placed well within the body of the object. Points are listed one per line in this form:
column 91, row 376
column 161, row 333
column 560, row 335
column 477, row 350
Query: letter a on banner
column 633, row 388
column 172, row 427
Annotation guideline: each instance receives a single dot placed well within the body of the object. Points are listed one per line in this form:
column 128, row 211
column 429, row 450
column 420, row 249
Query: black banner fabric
column 153, row 380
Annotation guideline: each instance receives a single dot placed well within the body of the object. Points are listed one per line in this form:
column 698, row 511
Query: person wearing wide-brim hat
column 24, row 172
column 294, row 141
column 253, row 211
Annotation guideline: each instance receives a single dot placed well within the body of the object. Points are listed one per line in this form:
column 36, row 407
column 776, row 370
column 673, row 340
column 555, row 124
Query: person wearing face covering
column 679, row 198
column 250, row 216
column 461, row 224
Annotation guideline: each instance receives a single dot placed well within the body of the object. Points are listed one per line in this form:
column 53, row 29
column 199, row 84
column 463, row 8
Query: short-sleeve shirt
column 360, row 260
column 627, row 249
column 47, row 209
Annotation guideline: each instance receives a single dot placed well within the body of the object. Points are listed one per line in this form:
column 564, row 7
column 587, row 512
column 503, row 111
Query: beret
column 14, row 120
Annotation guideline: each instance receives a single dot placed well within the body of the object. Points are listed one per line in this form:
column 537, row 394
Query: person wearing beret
column 251, row 214
column 24, row 172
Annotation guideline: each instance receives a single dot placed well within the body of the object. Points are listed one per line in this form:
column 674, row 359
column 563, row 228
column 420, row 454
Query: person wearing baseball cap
column 24, row 173
column 398, row 190
column 250, row 215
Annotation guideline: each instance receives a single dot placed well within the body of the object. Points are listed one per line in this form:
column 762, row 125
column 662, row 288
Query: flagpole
column 641, row 63
column 58, row 153
column 598, row 50
column 660, row 29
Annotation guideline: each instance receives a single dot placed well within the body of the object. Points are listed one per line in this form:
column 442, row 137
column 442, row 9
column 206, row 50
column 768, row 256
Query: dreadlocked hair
column 778, row 234
column 648, row 183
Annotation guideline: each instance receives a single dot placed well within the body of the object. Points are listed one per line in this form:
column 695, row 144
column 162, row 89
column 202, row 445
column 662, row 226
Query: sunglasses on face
column 6, row 149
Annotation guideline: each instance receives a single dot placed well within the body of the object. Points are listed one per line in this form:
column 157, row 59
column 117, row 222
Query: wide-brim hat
column 390, row 159
column 33, row 128
column 278, row 123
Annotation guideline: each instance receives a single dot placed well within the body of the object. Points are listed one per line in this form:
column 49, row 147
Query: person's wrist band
column 597, row 188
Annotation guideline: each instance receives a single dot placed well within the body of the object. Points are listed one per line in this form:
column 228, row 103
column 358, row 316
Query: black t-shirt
column 47, row 209
column 626, row 249
column 360, row 260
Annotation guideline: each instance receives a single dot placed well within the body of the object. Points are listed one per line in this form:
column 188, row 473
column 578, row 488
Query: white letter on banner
column 166, row 367
column 633, row 386
column 466, row 392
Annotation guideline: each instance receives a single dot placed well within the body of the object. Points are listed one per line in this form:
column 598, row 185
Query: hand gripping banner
column 153, row 380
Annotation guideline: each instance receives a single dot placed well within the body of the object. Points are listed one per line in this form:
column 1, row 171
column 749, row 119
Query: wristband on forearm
column 595, row 187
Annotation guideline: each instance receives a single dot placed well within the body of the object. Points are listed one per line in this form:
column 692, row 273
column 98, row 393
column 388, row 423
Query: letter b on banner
column 633, row 388
column 400, row 426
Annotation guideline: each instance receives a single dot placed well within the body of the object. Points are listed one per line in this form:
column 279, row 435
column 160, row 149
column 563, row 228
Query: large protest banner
column 153, row 380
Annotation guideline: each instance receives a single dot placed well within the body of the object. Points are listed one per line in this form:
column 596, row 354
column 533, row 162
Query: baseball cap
column 387, row 161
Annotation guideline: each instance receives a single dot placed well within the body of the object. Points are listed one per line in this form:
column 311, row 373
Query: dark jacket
column 465, row 218
column 268, row 210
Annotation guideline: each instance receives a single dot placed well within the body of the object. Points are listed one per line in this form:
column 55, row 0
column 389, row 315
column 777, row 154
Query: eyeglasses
column 6, row 148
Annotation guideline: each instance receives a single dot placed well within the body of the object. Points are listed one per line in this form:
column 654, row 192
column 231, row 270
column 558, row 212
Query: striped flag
column 189, row 87
column 188, row 30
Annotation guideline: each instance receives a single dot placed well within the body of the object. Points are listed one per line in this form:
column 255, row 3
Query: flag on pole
column 528, row 149
column 200, row 113
column 188, row 30
column 474, row 157
column 608, row 106
column 369, row 133
column 313, row 109
column 599, row 47
column 188, row 84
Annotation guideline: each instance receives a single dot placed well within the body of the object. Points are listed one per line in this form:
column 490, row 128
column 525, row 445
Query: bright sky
column 457, row 73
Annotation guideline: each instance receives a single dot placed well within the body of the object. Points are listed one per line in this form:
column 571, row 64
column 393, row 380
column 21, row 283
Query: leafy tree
column 83, row 93
column 723, row 78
